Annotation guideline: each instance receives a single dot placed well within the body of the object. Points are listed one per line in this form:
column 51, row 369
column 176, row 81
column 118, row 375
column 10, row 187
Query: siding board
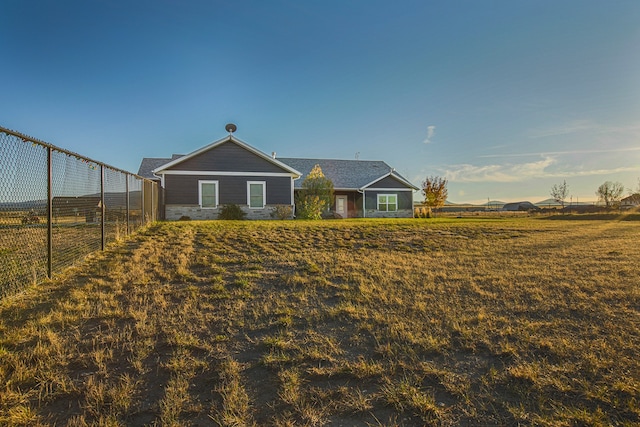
column 228, row 157
column 183, row 189
column 388, row 182
column 405, row 199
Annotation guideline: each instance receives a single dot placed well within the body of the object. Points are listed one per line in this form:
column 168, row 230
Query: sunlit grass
column 357, row 322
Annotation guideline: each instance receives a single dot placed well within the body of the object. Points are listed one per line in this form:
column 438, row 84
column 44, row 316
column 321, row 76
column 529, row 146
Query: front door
column 341, row 206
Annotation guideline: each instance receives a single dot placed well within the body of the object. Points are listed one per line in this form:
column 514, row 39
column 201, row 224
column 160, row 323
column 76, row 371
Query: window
column 256, row 194
column 388, row 202
column 208, row 194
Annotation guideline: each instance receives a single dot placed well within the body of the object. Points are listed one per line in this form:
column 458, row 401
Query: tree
column 316, row 195
column 435, row 192
column 560, row 193
column 610, row 193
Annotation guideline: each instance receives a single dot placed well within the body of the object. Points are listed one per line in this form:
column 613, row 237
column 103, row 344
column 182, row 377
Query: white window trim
column 200, row 182
column 387, row 204
column 264, row 194
column 227, row 173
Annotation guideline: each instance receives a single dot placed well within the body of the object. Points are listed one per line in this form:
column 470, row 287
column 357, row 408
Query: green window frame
column 387, row 202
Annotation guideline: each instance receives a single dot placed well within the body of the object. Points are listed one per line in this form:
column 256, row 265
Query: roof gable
column 227, row 154
column 391, row 180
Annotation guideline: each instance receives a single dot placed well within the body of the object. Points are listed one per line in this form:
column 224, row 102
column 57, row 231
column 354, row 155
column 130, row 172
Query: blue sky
column 503, row 98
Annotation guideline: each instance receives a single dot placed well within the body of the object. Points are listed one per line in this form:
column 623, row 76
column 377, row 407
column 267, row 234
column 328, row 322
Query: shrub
column 315, row 196
column 311, row 207
column 231, row 211
column 423, row 212
column 282, row 212
column 184, row 218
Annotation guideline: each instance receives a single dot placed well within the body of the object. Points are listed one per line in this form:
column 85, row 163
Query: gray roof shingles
column 149, row 164
column 345, row 174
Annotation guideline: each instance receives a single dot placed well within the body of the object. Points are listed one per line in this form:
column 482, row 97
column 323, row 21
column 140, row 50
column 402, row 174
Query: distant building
column 76, row 207
column 630, row 202
column 519, row 206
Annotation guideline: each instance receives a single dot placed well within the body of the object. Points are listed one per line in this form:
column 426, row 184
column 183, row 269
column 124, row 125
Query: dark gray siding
column 228, row 157
column 405, row 199
column 183, row 189
column 388, row 182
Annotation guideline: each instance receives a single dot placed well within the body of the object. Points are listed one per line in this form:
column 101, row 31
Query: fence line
column 57, row 206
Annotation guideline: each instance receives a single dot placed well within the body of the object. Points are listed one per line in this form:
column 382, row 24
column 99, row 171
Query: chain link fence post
column 49, row 213
column 128, row 208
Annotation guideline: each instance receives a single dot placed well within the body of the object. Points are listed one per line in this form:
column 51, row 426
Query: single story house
column 230, row 171
column 87, row 207
column 519, row 206
column 630, row 202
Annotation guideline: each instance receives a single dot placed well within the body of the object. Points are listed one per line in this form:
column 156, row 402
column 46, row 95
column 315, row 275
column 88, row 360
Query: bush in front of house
column 316, row 195
column 311, row 207
column 231, row 211
column 282, row 212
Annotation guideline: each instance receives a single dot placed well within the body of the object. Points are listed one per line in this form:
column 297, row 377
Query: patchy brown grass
column 438, row 322
column 23, row 249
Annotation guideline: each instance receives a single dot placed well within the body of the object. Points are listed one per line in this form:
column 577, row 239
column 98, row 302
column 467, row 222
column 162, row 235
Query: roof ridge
column 332, row 160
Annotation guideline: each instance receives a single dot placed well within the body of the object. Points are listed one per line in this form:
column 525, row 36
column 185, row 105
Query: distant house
column 630, row 202
column 519, row 206
column 86, row 207
column 230, row 171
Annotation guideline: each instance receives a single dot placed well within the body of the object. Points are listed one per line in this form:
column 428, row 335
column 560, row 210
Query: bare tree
column 560, row 193
column 610, row 193
column 435, row 191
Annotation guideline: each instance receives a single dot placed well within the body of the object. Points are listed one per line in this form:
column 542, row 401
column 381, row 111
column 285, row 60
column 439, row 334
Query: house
column 519, row 206
column 362, row 188
column 230, row 171
column 87, row 207
column 630, row 202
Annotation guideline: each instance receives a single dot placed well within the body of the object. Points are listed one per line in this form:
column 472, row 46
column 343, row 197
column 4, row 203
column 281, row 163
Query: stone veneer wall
column 175, row 212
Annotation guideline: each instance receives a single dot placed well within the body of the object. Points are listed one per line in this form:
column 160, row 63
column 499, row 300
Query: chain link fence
column 56, row 207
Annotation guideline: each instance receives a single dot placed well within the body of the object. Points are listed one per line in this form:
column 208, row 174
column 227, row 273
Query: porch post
column 364, row 203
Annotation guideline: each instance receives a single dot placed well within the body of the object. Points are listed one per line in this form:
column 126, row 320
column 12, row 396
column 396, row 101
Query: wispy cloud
column 431, row 130
column 577, row 126
column 564, row 129
column 498, row 173
column 592, row 172
column 519, row 172
column 558, row 153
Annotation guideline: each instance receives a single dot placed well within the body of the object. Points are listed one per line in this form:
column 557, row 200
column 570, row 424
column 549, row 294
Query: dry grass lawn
column 352, row 323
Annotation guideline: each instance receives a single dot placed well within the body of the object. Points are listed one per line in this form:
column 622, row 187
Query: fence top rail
column 67, row 152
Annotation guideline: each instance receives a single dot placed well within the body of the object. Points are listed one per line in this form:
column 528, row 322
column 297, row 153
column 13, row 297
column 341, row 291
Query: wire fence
column 56, row 207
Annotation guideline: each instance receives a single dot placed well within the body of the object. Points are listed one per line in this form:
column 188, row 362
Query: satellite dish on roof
column 231, row 128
